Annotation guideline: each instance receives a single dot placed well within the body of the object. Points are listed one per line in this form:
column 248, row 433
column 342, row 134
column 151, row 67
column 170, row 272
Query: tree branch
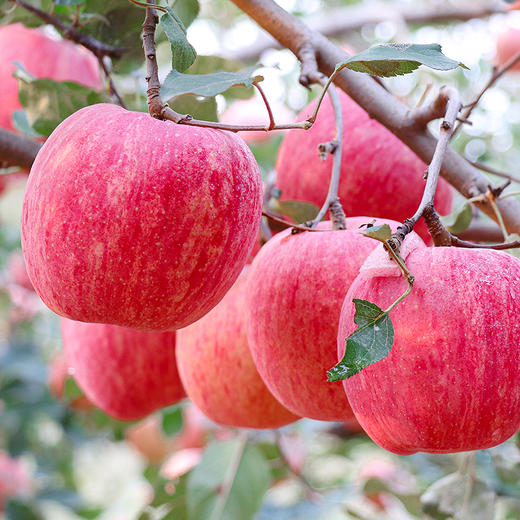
column 379, row 104
column 17, row 150
column 100, row 49
column 344, row 20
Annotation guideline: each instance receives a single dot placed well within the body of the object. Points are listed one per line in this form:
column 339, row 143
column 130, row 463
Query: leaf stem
column 229, row 478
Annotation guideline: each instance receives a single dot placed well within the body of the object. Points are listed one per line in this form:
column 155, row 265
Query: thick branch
column 17, row 150
column 347, row 19
column 379, row 104
column 100, row 49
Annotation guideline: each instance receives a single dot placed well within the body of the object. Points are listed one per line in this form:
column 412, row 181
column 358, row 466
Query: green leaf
column 207, row 85
column 381, row 233
column 297, row 210
column 15, row 509
column 395, row 59
column 72, row 390
column 171, row 419
column 248, row 487
column 20, row 122
column 198, row 107
column 183, row 53
column 187, row 10
column 47, row 103
column 369, row 343
column 458, row 220
column 445, row 498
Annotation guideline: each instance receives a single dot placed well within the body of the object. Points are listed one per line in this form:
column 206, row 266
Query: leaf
column 207, row 85
column 171, row 419
column 381, row 233
column 369, row 343
column 445, row 498
column 72, row 390
column 459, row 220
column 183, row 53
column 47, row 103
column 20, row 122
column 395, row 59
column 187, row 10
column 297, row 210
column 197, row 107
column 17, row 510
column 251, row 482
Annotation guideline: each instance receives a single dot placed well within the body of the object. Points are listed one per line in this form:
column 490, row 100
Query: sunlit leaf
column 183, row 53
column 395, row 59
column 297, row 210
column 381, row 233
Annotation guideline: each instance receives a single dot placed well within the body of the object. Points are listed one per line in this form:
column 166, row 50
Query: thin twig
column 494, row 171
column 229, row 478
column 497, row 73
column 267, row 106
column 71, row 33
column 111, row 85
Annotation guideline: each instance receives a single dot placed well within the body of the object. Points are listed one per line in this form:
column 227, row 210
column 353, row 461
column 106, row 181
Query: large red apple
column 452, row 379
column 43, row 57
column 218, row 372
column 380, row 176
column 138, row 222
column 508, row 45
column 294, row 297
column 127, row 373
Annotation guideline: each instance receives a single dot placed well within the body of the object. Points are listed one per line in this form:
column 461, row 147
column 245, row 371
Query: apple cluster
column 137, row 232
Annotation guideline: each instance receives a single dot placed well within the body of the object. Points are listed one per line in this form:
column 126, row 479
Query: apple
column 452, row 379
column 508, row 44
column 43, row 57
column 218, row 372
column 136, row 222
column 15, row 478
column 58, row 373
column 127, row 373
column 294, row 296
column 254, row 112
column 376, row 166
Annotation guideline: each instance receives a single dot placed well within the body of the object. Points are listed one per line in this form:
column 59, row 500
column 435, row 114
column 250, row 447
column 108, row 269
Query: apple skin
column 127, row 373
column 218, row 372
column 452, row 379
column 508, row 44
column 136, row 222
column 380, row 176
column 44, row 58
column 294, row 296
column 15, row 479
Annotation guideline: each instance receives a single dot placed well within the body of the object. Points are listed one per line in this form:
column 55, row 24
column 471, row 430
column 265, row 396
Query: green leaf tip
column 381, row 233
column 369, row 343
column 183, row 53
column 459, row 220
column 396, row 59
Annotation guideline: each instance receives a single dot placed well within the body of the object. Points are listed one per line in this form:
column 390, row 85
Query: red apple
column 376, row 166
column 254, row 112
column 125, row 372
column 137, row 222
column 452, row 379
column 58, row 373
column 15, row 478
column 218, row 372
column 294, row 296
column 43, row 57
column 508, row 44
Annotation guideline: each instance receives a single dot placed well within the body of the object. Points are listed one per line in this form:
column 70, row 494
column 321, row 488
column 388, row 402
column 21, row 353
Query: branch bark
column 17, row 150
column 380, row 104
column 344, row 20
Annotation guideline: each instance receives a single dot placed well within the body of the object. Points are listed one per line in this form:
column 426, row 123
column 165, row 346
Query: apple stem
column 267, row 106
column 69, row 32
column 296, row 228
